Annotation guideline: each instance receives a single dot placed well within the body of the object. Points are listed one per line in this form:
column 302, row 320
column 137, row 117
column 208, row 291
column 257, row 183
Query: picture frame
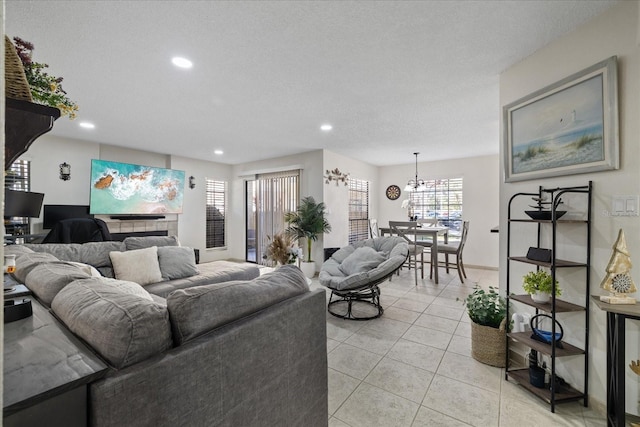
column 569, row 127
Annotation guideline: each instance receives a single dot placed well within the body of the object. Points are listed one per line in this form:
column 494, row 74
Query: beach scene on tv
column 123, row 188
column 560, row 130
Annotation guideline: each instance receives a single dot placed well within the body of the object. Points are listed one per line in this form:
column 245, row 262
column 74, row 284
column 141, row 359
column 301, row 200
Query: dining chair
column 428, row 222
column 454, row 249
column 407, row 230
column 373, row 228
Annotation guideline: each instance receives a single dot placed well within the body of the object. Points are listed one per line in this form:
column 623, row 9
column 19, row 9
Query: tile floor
column 413, row 365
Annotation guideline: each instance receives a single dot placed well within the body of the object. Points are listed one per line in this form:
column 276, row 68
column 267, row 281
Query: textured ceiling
column 391, row 77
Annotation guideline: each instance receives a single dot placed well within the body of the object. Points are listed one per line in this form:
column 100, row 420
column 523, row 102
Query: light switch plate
column 625, row 205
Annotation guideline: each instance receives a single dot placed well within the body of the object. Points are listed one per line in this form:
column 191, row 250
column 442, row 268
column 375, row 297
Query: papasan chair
column 354, row 272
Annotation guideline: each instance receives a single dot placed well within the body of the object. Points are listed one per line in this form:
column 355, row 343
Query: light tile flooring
column 413, row 365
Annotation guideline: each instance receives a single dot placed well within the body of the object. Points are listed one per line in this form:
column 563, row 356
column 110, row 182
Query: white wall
column 191, row 228
column 613, row 33
column 336, row 198
column 479, row 200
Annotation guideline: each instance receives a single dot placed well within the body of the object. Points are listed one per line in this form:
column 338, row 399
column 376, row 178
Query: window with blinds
column 18, row 177
column 358, row 210
column 442, row 200
column 216, row 213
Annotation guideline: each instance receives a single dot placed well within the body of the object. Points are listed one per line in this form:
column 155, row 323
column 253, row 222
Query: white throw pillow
column 140, row 265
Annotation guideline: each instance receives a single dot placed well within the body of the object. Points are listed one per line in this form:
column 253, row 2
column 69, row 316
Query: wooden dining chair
column 407, row 230
column 454, row 249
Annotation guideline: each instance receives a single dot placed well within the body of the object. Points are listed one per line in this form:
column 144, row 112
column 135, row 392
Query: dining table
column 431, row 232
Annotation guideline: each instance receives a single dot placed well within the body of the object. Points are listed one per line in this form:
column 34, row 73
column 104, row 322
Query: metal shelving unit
column 552, row 393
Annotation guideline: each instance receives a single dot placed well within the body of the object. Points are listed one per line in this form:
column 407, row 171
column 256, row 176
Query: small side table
column 46, row 373
column 616, row 317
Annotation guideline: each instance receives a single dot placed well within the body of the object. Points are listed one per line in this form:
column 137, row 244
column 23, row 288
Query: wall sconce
column 65, row 171
column 192, row 182
column 337, row 176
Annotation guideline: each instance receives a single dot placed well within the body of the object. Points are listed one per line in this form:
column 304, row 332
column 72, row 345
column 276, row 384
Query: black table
column 617, row 314
column 46, row 373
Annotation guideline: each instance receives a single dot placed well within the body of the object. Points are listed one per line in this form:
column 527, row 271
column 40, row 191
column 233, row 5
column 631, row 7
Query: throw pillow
column 140, row 266
column 361, row 260
column 132, row 243
column 177, row 262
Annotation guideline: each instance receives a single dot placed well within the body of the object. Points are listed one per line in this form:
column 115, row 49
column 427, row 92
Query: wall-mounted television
column 128, row 189
column 22, row 203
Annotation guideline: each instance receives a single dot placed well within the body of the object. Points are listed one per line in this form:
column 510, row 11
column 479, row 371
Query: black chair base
column 369, row 296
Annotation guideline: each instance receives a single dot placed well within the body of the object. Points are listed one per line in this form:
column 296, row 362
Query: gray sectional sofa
column 249, row 351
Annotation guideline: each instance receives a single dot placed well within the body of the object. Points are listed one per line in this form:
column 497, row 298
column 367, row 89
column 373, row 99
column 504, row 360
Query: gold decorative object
column 337, row 176
column 618, row 280
column 635, row 366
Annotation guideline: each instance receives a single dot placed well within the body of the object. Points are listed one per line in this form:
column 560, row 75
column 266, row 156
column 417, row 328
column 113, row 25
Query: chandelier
column 415, row 184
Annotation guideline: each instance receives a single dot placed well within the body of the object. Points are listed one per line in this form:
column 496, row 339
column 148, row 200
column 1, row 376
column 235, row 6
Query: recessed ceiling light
column 87, row 125
column 181, row 62
column 218, row 152
column 326, row 127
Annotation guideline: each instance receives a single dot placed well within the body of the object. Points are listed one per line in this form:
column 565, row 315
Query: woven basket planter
column 16, row 85
column 488, row 345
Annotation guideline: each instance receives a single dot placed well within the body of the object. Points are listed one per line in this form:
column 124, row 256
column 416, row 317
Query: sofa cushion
column 362, row 259
column 26, row 262
column 195, row 311
column 210, row 272
column 92, row 253
column 46, row 279
column 17, row 250
column 140, row 265
column 177, row 262
column 89, row 269
column 132, row 243
column 124, row 328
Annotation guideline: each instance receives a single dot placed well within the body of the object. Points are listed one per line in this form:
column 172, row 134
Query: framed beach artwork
column 566, row 128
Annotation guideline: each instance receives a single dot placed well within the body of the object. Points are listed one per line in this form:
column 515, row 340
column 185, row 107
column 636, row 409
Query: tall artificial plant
column 308, row 222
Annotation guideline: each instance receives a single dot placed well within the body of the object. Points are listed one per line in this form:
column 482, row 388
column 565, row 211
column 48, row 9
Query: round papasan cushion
column 364, row 263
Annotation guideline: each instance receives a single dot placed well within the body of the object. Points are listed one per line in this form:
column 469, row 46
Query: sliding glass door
column 268, row 198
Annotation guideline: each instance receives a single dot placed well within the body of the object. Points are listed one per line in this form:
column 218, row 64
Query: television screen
column 22, row 203
column 123, row 188
column 54, row 213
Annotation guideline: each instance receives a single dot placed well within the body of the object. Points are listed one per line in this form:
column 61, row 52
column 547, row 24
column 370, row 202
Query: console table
column 617, row 314
column 46, row 373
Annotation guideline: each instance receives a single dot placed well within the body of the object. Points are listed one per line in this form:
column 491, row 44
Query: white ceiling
column 391, row 77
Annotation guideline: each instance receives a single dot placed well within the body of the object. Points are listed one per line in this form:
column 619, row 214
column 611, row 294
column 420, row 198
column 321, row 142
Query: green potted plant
column 539, row 285
column 307, row 222
column 487, row 311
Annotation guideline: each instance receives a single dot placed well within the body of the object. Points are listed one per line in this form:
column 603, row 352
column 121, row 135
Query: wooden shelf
column 525, row 338
column 560, row 263
column 561, row 306
column 24, row 123
column 566, row 394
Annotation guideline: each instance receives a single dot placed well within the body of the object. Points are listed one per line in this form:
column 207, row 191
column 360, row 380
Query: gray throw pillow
column 361, row 260
column 177, row 262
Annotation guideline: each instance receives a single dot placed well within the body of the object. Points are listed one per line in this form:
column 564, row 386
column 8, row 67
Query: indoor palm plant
column 539, row 284
column 487, row 311
column 307, row 222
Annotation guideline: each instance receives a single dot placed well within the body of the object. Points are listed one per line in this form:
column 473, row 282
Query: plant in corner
column 487, row 311
column 539, row 284
column 307, row 222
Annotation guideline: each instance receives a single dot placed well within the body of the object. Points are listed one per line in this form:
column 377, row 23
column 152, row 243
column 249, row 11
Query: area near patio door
column 268, row 198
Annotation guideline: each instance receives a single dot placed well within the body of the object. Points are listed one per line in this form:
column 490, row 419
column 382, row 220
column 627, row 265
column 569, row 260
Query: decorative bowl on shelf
column 544, row 215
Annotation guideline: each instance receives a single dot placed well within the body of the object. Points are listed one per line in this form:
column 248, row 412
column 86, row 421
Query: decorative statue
column 618, row 280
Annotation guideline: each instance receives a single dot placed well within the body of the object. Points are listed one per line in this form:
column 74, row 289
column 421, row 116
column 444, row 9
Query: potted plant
column 487, row 311
column 539, row 285
column 307, row 222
